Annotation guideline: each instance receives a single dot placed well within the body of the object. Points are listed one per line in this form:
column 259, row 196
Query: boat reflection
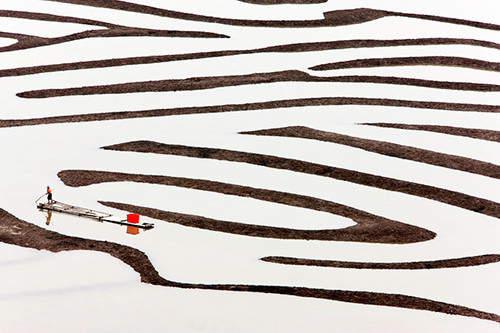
column 132, row 230
column 48, row 217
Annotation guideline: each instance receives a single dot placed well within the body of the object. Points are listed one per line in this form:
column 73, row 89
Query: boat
column 61, row 207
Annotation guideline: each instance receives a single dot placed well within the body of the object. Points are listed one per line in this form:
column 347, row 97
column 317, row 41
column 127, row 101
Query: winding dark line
column 289, row 48
column 453, row 198
column 435, row 264
column 332, row 18
column 33, row 41
column 17, row 232
column 474, row 133
column 55, row 18
column 388, row 149
column 198, row 83
column 259, row 106
column 412, row 61
column 368, row 228
column 112, row 30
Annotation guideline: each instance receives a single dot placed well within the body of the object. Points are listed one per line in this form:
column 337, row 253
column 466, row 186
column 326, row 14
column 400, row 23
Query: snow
column 82, row 291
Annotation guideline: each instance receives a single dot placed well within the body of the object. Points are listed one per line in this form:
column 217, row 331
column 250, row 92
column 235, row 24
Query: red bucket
column 133, row 218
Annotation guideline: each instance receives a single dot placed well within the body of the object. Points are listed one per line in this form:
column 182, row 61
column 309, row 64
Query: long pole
column 40, row 197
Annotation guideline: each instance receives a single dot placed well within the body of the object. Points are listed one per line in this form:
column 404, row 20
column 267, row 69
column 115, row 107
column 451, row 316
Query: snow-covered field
column 84, row 291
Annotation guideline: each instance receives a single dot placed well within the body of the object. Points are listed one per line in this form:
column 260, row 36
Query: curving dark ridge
column 110, row 30
column 17, row 232
column 288, row 48
column 453, row 198
column 387, row 149
column 198, row 83
column 301, row 102
column 369, row 228
column 331, row 19
column 474, row 133
column 412, row 61
column 435, row 264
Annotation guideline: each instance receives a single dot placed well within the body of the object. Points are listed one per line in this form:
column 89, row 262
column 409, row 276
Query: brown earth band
column 288, row 48
column 387, row 149
column 435, row 264
column 332, row 18
column 259, row 106
column 368, row 228
column 17, row 232
column 474, row 133
column 110, row 30
column 412, row 61
column 453, row 198
column 199, row 83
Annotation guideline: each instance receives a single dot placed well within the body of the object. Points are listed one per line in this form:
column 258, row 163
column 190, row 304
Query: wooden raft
column 60, row 207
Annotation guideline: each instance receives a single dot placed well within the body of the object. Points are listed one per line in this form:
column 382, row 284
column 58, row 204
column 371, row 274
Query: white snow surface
column 84, row 291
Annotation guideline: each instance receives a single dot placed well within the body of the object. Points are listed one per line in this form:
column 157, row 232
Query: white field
column 83, row 291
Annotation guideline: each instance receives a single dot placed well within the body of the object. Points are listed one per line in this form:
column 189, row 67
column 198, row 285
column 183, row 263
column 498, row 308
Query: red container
column 133, row 218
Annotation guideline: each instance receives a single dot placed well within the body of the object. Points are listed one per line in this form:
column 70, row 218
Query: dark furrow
column 55, row 18
column 435, row 264
column 22, row 41
column 33, row 41
column 369, row 227
column 112, row 30
column 475, row 24
column 387, row 149
column 474, row 133
column 332, row 18
column 453, row 198
column 259, row 106
column 17, row 232
column 289, row 48
column 412, row 61
column 198, row 83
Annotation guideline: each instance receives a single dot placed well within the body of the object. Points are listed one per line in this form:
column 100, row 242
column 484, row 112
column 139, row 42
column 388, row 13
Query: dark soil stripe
column 55, row 18
column 299, row 47
column 17, row 232
column 197, row 83
column 321, row 101
column 369, row 227
column 475, row 133
column 372, row 229
column 32, row 42
column 412, row 61
column 445, row 263
column 112, row 30
column 453, row 198
column 332, row 18
column 388, row 149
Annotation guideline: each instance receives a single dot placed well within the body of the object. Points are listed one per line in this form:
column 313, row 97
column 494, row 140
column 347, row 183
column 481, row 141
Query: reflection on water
column 48, row 217
column 132, row 230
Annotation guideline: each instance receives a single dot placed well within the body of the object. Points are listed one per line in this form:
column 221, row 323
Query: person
column 49, row 195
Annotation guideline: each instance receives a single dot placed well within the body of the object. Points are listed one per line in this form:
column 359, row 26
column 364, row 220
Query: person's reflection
column 49, row 217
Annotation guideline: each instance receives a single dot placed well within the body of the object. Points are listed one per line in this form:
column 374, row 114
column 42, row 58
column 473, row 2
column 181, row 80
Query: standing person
column 49, row 195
